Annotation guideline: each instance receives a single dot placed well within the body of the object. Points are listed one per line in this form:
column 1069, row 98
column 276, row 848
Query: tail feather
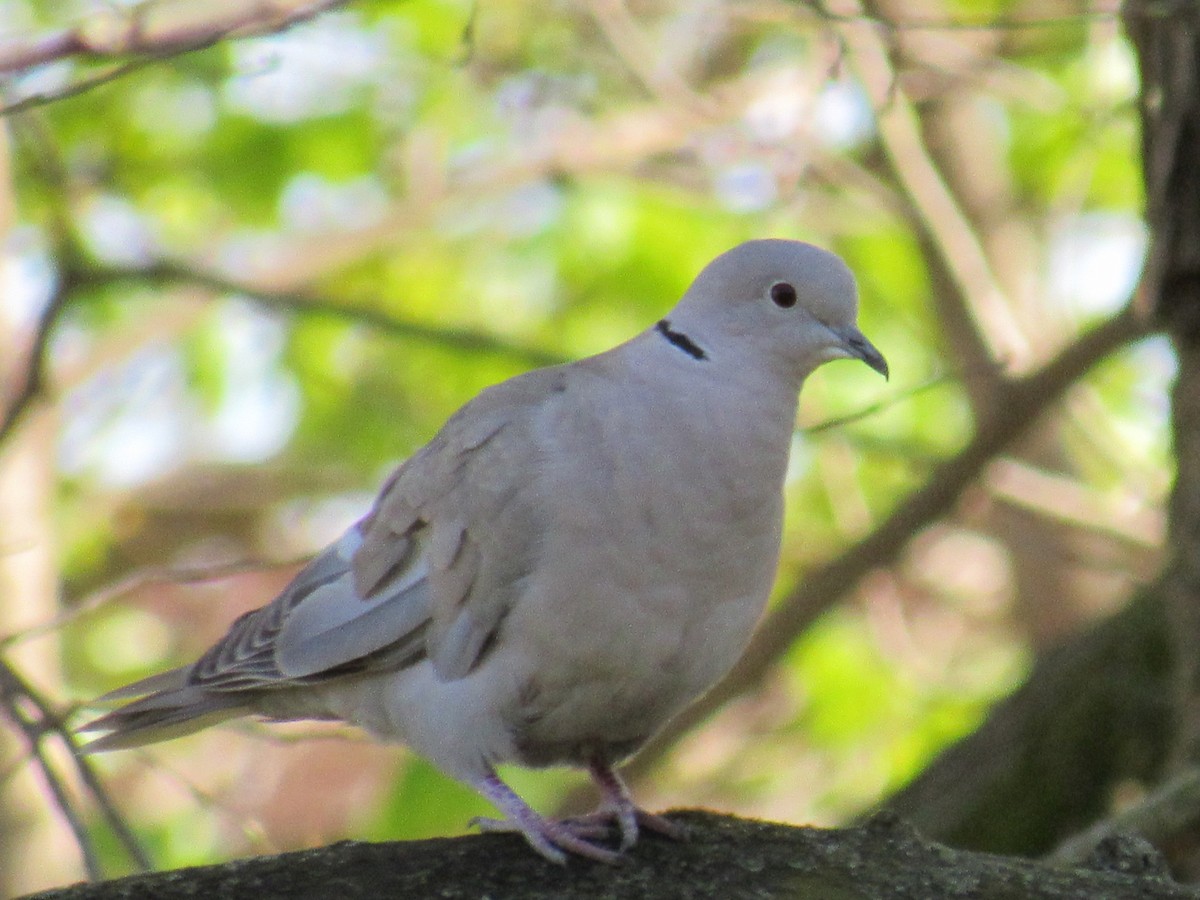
column 169, row 707
column 171, row 680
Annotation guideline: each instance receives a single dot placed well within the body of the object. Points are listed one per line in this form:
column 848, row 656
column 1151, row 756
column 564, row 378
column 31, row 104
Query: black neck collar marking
column 680, row 340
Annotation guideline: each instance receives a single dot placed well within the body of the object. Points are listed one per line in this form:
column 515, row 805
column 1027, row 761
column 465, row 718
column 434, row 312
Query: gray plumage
column 579, row 553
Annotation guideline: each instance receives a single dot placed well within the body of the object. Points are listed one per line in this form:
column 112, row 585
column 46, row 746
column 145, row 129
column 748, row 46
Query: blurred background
column 252, row 256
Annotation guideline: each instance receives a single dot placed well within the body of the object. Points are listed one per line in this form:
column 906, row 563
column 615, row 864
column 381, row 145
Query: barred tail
column 168, row 707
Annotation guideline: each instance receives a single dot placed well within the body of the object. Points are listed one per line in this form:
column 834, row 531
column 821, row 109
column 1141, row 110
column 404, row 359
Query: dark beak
column 857, row 346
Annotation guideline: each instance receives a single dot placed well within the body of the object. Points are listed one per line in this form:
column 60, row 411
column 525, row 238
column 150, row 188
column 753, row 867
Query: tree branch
column 312, row 304
column 300, row 302
column 968, row 297
column 723, row 857
column 156, row 28
column 1166, row 812
column 35, row 718
column 32, row 374
column 11, row 696
column 140, row 580
column 150, row 32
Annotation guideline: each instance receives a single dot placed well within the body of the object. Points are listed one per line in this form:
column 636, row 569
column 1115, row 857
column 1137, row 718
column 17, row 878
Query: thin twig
column 34, row 372
column 874, row 409
column 15, row 692
column 300, row 302
column 1166, row 812
column 12, row 693
column 930, row 23
column 42, row 98
column 108, row 809
column 137, row 580
column 134, row 31
column 313, row 304
column 130, row 35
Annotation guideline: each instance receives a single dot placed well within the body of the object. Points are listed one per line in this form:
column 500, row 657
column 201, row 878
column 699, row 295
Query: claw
column 552, row 838
column 618, row 806
column 600, row 822
column 580, row 827
column 555, row 838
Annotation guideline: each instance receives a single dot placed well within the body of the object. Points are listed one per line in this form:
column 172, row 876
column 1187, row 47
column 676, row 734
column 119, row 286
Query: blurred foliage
column 542, row 174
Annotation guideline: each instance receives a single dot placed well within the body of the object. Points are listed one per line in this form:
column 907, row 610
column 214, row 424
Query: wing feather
column 473, row 489
column 431, row 572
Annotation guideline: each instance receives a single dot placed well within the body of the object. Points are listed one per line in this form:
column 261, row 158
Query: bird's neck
column 741, row 401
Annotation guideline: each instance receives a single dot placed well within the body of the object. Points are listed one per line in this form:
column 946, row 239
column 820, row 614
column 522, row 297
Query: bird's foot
column 629, row 821
column 552, row 838
column 555, row 838
column 617, row 806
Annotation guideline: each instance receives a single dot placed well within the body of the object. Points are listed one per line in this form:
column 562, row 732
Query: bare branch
column 149, row 32
column 139, row 580
column 303, row 303
column 1099, row 13
column 41, row 98
column 35, row 718
column 873, row 409
column 1165, row 813
column 970, row 300
column 33, row 376
column 313, row 304
column 32, row 732
column 156, row 29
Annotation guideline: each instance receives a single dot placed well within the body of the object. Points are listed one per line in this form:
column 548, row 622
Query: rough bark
column 1168, row 43
column 727, row 858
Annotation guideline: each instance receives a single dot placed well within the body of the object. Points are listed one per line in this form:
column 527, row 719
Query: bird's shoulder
column 487, row 438
column 467, row 476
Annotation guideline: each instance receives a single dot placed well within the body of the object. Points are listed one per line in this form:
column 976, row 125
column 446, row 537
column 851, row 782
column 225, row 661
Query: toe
column 565, row 838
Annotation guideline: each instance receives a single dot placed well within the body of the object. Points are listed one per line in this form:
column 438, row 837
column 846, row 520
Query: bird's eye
column 783, row 295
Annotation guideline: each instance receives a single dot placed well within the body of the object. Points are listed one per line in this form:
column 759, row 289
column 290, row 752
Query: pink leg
column 616, row 803
column 548, row 837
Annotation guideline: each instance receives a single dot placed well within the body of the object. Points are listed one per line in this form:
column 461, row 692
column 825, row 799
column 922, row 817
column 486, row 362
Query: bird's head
column 783, row 301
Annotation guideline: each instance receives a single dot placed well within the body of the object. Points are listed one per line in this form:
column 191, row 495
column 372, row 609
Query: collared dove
column 579, row 553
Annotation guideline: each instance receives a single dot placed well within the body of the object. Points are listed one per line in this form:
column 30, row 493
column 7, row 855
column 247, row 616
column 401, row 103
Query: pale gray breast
column 692, row 482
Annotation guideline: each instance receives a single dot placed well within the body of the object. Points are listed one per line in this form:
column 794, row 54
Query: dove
column 577, row 555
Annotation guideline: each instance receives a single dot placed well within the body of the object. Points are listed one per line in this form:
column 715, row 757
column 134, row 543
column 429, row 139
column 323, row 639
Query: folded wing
column 429, row 573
